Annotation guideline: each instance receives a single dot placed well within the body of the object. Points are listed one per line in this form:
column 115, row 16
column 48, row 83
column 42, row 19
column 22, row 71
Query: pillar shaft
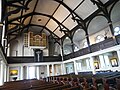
column 52, row 69
column 88, row 63
column 102, row 61
column 107, row 61
column 48, row 71
column 92, row 65
column 75, row 68
column 21, row 73
column 118, row 53
column 38, row 72
column 63, row 71
column 1, row 73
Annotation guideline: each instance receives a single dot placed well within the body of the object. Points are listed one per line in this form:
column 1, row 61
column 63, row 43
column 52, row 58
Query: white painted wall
column 18, row 45
column 43, row 71
column 29, row 52
column 57, row 70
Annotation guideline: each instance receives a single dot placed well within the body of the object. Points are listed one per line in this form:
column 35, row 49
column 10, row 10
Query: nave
column 104, row 80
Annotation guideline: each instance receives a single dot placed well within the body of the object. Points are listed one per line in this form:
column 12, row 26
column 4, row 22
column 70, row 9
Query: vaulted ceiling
column 49, row 16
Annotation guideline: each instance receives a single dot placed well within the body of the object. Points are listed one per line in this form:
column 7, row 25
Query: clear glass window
column 116, row 31
column 99, row 38
column 85, row 44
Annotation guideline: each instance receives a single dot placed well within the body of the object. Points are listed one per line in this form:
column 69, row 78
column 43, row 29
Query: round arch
column 78, row 37
column 98, row 26
column 67, row 49
column 115, row 15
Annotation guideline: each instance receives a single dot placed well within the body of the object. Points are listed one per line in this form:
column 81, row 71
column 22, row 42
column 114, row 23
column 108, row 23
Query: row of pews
column 88, row 81
column 33, row 84
column 82, row 81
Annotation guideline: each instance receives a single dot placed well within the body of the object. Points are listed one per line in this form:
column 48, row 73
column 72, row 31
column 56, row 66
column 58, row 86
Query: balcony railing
column 95, row 47
column 13, row 60
column 109, row 42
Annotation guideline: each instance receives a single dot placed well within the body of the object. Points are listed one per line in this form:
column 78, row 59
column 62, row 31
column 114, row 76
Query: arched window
column 75, row 48
column 116, row 31
column 85, row 44
column 99, row 38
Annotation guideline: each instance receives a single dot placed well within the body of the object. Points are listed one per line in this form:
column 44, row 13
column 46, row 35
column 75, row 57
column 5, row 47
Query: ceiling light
column 117, row 29
column 1, row 24
column 67, row 38
column 39, row 19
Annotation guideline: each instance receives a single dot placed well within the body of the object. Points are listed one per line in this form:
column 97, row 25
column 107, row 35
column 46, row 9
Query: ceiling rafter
column 16, row 28
column 20, row 17
column 18, row 8
column 68, row 8
column 52, row 15
column 45, row 28
column 15, row 1
column 36, row 13
column 33, row 12
column 26, row 26
column 12, row 3
column 71, row 13
column 60, row 24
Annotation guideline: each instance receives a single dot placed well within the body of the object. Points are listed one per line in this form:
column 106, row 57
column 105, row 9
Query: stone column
column 75, row 68
column 118, row 54
column 63, row 70
column 3, row 34
column 107, row 61
column 102, row 61
column 92, row 65
column 21, row 73
column 1, row 73
column 48, row 71
column 88, row 63
column 38, row 72
column 5, row 73
column 52, row 69
column 8, row 50
column 27, row 72
column 8, row 74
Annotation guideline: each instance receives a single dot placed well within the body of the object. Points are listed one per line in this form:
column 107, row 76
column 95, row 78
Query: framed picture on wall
column 96, row 64
column 114, row 62
column 13, row 72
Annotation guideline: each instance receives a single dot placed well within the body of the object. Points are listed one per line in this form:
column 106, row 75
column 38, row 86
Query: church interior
column 60, row 45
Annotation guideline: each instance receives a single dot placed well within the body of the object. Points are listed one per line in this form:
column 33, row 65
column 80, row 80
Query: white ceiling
column 61, row 14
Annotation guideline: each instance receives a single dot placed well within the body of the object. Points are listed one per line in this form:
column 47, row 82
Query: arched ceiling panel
column 69, row 23
column 52, row 25
column 50, row 13
column 115, row 14
column 79, row 35
column 71, row 4
column 86, row 9
column 14, row 15
column 104, row 1
column 31, row 6
column 39, row 20
column 27, row 20
column 46, row 6
column 97, row 24
column 35, row 29
column 61, row 13
column 59, row 33
column 46, row 31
